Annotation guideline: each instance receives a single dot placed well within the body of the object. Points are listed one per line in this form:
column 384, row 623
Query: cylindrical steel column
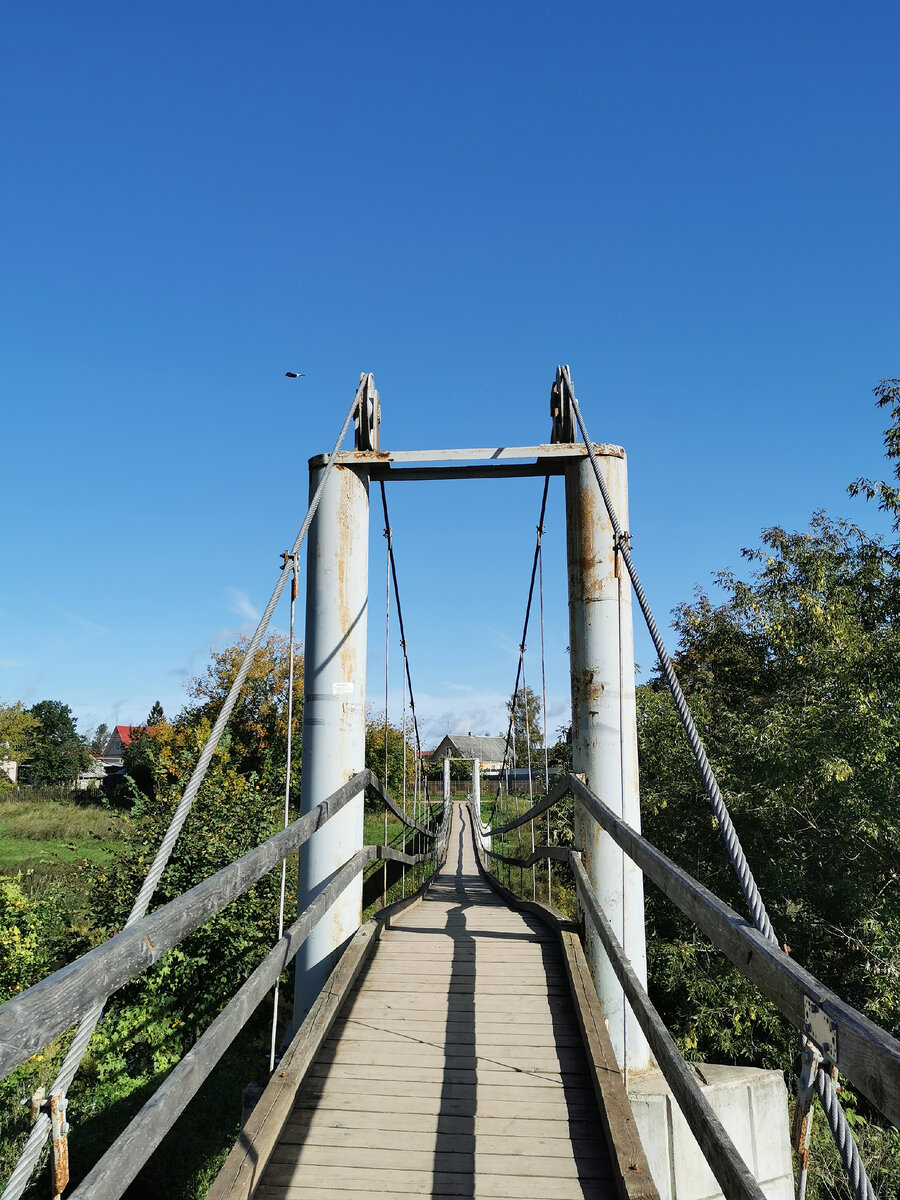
column 334, row 713
column 604, row 730
column 445, row 780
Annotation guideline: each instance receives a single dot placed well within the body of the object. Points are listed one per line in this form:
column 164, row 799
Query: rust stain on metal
column 59, row 1130
column 37, row 1101
column 801, row 1136
column 337, row 926
column 587, row 690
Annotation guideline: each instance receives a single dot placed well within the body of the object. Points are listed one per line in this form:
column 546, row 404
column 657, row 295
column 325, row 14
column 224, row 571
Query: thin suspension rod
column 512, row 710
column 387, row 647
column 530, row 779
column 412, row 701
column 287, row 800
column 544, row 698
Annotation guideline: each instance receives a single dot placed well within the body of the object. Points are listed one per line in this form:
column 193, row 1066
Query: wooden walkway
column 456, row 1068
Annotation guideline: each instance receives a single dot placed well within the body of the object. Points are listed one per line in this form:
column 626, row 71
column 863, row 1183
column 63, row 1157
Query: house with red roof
column 119, row 738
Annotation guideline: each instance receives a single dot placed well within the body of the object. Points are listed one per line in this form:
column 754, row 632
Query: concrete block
column 750, row 1103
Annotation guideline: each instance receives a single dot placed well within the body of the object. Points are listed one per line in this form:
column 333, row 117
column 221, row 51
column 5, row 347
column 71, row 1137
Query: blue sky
column 694, row 205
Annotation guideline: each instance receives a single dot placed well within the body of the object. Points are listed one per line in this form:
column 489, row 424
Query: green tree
column 460, row 768
column 99, row 738
column 156, row 714
column 21, row 952
column 379, row 735
column 59, row 754
column 258, row 724
column 887, row 394
column 526, row 722
column 792, row 681
column 17, row 732
column 560, row 753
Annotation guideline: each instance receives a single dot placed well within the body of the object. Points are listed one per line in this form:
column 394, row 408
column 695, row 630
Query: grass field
column 53, row 836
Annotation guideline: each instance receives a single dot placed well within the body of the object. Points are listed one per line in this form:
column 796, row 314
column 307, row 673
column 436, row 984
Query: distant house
column 119, row 738
column 10, row 768
column 488, row 750
column 92, row 776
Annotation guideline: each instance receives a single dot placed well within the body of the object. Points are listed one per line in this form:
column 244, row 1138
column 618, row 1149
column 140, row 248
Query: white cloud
column 91, row 626
column 503, row 641
column 240, row 604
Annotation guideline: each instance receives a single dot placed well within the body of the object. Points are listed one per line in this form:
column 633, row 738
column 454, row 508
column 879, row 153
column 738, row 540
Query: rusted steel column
column 604, row 730
column 334, row 712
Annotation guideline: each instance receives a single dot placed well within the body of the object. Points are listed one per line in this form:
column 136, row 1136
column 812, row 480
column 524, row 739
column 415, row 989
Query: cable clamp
column 55, row 1107
column 622, row 541
column 59, row 1129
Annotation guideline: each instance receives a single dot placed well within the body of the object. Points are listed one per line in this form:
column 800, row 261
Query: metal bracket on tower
column 368, row 415
column 818, row 1026
column 562, row 394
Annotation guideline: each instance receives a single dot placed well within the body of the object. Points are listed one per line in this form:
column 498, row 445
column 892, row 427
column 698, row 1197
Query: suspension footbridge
column 467, row 1042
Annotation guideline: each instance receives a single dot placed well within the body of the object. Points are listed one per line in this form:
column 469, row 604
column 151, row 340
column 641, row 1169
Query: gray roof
column 462, row 745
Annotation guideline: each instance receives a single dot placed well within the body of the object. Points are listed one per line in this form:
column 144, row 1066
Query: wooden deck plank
column 429, row 1024
column 399, row 1141
column 336, row 1077
column 548, row 1061
column 563, row 1127
column 379, row 1181
column 289, row 1162
column 538, row 1109
column 461, row 1089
